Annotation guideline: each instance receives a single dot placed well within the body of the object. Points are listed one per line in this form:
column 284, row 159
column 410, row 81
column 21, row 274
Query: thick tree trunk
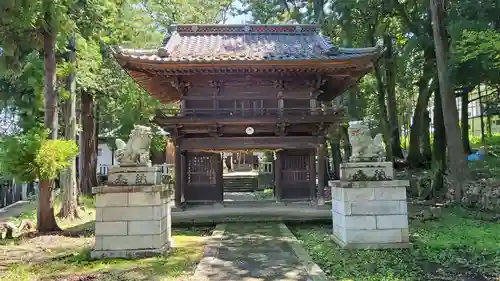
column 459, row 171
column 88, row 142
column 426, row 138
column 465, row 123
column 439, row 144
column 392, row 107
column 382, row 114
column 415, row 157
column 344, row 136
column 69, row 208
column 45, row 215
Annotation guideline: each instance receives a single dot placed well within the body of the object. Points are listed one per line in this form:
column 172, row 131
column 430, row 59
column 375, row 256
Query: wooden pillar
column 219, row 180
column 313, row 103
column 312, row 173
column 320, row 168
column 277, row 176
column 281, row 103
column 183, row 176
column 178, row 176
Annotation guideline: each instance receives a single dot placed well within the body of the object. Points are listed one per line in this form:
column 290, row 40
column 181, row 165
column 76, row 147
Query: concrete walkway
column 16, row 210
column 256, row 252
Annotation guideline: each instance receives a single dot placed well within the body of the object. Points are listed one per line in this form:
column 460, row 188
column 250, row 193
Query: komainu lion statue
column 364, row 148
column 136, row 151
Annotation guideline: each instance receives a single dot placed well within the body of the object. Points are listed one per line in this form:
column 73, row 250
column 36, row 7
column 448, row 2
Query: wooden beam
column 235, row 143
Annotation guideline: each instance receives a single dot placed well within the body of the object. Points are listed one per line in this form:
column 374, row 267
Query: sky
column 240, row 18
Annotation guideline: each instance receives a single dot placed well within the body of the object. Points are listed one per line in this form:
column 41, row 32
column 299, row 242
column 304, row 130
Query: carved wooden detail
column 280, row 84
column 217, row 84
column 215, row 131
column 180, row 85
column 281, row 129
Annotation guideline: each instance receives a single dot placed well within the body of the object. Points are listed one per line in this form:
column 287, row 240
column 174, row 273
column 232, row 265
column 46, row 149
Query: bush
column 29, row 156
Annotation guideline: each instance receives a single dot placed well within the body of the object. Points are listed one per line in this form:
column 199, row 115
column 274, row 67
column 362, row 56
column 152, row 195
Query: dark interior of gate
column 294, row 176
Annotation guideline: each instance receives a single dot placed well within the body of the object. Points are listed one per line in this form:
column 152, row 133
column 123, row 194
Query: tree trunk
column 45, row 214
column 459, row 171
column 415, row 158
column 439, row 144
column 426, row 138
column 346, row 142
column 68, row 176
column 88, row 159
column 382, row 114
column 335, row 152
column 392, row 107
column 465, row 123
column 481, row 112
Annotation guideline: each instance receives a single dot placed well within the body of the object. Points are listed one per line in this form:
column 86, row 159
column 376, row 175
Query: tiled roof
column 212, row 43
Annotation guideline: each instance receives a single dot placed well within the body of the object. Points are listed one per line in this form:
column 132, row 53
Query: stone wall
column 370, row 214
column 132, row 221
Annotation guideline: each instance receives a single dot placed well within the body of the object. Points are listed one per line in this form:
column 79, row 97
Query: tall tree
column 457, row 161
column 68, row 176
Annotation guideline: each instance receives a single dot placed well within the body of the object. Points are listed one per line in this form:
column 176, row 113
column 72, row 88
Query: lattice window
column 296, row 168
column 200, row 170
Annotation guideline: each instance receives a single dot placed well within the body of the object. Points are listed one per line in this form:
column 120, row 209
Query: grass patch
column 457, row 246
column 73, row 263
column 265, row 194
column 58, row 257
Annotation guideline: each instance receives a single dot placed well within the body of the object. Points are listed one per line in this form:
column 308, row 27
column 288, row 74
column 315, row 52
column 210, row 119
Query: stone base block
column 132, row 221
column 128, row 254
column 366, row 171
column 371, row 215
column 134, row 176
column 401, row 245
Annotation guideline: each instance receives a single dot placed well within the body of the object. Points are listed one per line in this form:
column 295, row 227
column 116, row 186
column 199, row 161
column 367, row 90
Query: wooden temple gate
column 245, row 88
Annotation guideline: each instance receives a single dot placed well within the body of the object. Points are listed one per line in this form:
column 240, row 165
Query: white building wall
column 104, row 156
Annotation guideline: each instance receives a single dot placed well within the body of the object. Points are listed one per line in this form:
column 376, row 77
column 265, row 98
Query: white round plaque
column 249, row 131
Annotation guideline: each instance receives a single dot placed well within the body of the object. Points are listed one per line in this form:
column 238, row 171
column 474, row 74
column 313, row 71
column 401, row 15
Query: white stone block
column 127, row 242
column 127, row 213
column 134, row 176
column 392, row 221
column 144, row 227
column 111, row 228
column 98, row 214
column 374, row 236
column 339, row 232
column 403, row 205
column 390, row 193
column 357, row 222
column 144, row 199
column 376, row 208
column 341, row 207
column 358, row 194
column 405, row 234
column 98, row 243
column 348, row 171
column 111, row 200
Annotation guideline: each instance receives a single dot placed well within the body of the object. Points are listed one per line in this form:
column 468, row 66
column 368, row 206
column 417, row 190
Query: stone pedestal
column 369, row 208
column 132, row 215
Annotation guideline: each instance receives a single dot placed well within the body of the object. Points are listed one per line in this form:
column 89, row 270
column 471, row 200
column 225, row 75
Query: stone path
column 253, row 252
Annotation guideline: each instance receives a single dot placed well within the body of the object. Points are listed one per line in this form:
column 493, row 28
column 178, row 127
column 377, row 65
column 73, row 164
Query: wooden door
column 204, row 177
column 297, row 180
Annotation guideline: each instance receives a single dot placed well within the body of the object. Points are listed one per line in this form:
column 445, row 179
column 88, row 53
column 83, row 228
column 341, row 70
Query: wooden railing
column 250, row 112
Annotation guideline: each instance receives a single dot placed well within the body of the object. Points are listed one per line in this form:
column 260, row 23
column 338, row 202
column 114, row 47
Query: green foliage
column 30, row 156
column 53, row 156
column 456, row 243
